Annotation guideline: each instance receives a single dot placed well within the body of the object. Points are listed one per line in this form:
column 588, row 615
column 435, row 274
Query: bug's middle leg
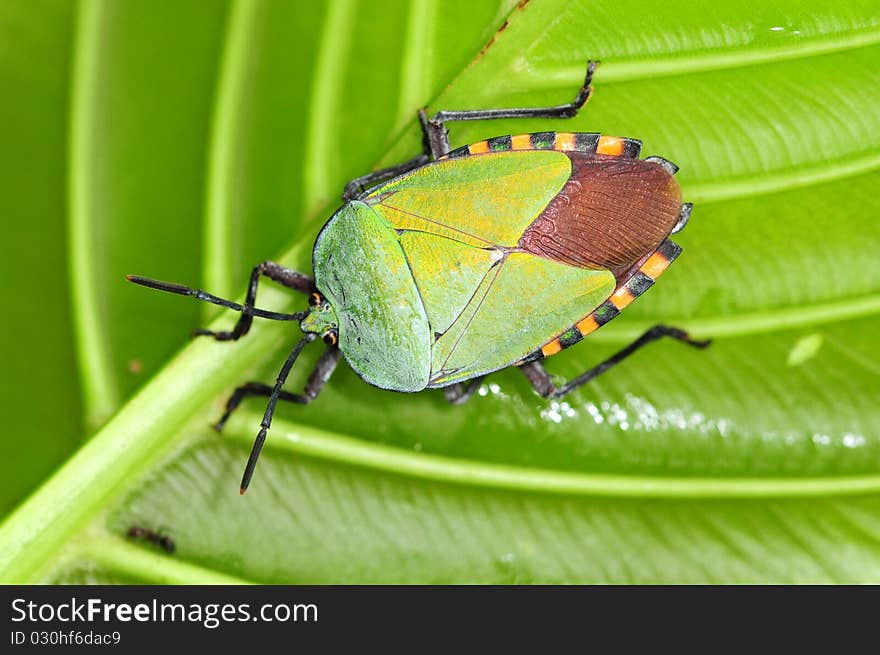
column 281, row 274
column 461, row 392
column 317, row 379
column 540, row 379
column 437, row 136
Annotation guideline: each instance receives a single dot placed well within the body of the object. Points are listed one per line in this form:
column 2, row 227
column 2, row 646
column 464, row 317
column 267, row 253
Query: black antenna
column 270, row 410
column 207, row 297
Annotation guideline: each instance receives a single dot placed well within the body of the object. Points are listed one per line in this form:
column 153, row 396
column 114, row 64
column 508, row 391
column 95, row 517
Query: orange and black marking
column 585, row 142
column 635, row 285
column 612, row 165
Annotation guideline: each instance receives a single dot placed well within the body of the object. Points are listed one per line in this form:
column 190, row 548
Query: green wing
column 459, row 222
column 446, row 273
column 482, row 200
column 522, row 302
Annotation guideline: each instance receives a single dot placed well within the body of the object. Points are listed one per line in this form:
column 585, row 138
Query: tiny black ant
column 163, row 541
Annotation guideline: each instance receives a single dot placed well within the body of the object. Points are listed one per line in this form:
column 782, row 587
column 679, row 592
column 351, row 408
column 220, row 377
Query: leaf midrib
column 225, row 129
column 328, row 85
column 783, row 179
column 690, row 62
column 301, row 439
column 141, row 563
column 415, row 60
column 748, row 323
column 100, row 396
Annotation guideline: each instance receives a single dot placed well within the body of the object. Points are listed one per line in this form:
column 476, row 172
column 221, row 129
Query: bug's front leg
column 317, row 379
column 542, row 383
column 281, row 274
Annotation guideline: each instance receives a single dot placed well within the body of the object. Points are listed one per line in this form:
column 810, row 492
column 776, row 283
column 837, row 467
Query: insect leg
column 542, row 383
column 158, row 538
column 281, row 274
column 460, row 393
column 354, row 188
column 270, row 412
column 318, row 378
column 437, row 136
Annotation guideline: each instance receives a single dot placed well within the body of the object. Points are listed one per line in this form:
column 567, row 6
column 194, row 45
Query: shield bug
column 457, row 263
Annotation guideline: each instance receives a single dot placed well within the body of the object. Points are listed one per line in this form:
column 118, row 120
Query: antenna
column 198, row 294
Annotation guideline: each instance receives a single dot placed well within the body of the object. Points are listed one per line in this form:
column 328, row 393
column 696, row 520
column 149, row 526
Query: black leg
column 270, row 411
column 460, row 393
column 354, row 188
column 318, row 378
column 286, row 276
column 435, row 139
column 437, row 136
column 542, row 383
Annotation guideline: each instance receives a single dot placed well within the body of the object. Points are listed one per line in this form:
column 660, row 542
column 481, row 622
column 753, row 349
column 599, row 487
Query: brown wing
column 610, row 214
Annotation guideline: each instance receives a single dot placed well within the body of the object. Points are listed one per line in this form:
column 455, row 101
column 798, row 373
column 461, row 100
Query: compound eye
column 315, row 300
column 330, row 338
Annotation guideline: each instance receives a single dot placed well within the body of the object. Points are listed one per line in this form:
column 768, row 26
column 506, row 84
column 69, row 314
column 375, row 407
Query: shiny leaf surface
column 755, row 460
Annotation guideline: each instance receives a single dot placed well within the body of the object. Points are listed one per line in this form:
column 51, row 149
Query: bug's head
column 321, row 319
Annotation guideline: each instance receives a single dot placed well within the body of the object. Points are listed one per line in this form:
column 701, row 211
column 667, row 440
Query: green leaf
column 753, row 461
column 40, row 408
column 138, row 132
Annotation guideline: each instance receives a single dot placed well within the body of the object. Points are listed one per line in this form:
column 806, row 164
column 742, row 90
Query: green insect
column 443, row 269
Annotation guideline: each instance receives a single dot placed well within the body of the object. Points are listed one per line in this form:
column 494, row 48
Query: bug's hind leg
column 281, row 274
column 460, row 393
column 542, row 383
column 437, row 136
column 317, row 379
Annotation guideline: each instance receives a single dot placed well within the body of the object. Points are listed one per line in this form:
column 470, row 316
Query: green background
column 189, row 141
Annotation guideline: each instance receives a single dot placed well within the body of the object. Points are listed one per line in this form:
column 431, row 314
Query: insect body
column 419, row 275
column 159, row 539
column 459, row 263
